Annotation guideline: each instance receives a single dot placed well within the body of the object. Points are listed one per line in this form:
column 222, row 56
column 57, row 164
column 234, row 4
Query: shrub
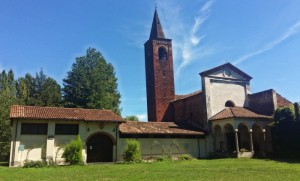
column 132, row 153
column 164, row 158
column 34, row 164
column 185, row 157
column 73, row 152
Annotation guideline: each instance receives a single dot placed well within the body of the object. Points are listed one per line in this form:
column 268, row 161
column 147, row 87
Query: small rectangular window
column 34, row 128
column 66, row 129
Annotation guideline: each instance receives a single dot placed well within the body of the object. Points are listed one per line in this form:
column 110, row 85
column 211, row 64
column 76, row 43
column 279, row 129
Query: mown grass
column 219, row 169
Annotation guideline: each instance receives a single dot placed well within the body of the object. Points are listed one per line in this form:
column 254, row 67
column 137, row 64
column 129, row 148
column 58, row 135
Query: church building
column 223, row 118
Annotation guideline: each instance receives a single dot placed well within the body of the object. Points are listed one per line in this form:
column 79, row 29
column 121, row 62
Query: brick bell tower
column 159, row 73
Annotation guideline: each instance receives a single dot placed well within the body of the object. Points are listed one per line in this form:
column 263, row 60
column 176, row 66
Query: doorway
column 99, row 148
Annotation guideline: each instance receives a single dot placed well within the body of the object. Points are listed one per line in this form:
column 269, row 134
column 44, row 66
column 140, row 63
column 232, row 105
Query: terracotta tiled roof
column 59, row 113
column 226, row 65
column 281, row 101
column 155, row 128
column 179, row 97
column 237, row 112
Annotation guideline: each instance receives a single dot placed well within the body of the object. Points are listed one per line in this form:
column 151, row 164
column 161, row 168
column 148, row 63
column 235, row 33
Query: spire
column 156, row 30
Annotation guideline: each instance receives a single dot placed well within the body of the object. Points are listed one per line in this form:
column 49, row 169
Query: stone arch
column 258, row 140
column 218, row 138
column 99, row 147
column 229, row 137
column 162, row 53
column 244, row 136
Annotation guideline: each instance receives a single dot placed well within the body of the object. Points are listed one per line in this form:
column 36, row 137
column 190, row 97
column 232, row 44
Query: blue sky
column 262, row 38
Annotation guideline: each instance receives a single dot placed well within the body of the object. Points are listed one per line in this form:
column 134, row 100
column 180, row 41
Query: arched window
column 229, row 104
column 162, row 53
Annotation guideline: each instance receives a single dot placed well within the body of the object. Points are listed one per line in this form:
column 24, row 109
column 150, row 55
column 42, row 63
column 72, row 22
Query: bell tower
column 159, row 73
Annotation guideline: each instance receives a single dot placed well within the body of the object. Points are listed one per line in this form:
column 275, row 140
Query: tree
column 297, row 111
column 7, row 98
column 131, row 118
column 40, row 90
column 285, row 133
column 91, row 83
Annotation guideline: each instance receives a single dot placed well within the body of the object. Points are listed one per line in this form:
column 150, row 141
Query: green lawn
column 219, row 169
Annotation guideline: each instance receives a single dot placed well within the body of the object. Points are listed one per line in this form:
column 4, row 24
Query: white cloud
column 186, row 36
column 294, row 29
column 142, row 117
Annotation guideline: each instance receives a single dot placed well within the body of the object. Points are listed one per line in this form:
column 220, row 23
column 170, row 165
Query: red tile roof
column 179, row 97
column 156, row 128
column 238, row 112
column 59, row 113
column 281, row 101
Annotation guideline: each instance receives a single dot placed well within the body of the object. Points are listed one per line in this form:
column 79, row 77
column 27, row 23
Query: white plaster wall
column 155, row 147
column 50, row 146
column 220, row 92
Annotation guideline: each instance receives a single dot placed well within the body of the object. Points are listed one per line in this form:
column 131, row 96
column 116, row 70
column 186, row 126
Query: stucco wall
column 50, row 146
column 218, row 90
column 155, row 147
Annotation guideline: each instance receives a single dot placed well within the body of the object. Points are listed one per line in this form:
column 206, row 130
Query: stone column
column 264, row 143
column 251, row 141
column 50, row 147
column 237, row 142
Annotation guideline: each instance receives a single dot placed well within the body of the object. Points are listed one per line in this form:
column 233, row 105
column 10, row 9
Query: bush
column 164, row 158
column 185, row 157
column 132, row 153
column 73, row 152
column 34, row 164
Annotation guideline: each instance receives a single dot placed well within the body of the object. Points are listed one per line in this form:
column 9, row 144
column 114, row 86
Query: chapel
column 223, row 118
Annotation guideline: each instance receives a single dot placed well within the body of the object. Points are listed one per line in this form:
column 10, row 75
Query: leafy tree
column 285, row 133
column 39, row 90
column 131, row 118
column 284, row 114
column 7, row 98
column 92, row 83
column 26, row 90
column 297, row 111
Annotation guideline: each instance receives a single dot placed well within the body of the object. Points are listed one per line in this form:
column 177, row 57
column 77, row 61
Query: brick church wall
column 190, row 109
column 263, row 102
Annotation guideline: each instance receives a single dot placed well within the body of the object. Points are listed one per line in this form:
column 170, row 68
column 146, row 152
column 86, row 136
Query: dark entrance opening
column 231, row 142
column 99, row 149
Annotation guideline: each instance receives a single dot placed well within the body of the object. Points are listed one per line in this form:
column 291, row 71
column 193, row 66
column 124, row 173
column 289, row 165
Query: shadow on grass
column 286, row 160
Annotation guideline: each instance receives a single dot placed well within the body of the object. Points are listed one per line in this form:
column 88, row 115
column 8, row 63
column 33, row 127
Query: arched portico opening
column 229, row 138
column 244, row 137
column 99, row 148
column 219, row 144
column 257, row 140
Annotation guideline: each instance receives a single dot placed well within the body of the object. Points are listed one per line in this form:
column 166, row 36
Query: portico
column 240, row 132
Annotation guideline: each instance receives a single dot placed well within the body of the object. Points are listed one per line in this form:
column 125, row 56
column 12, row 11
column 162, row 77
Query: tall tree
column 92, row 83
column 285, row 134
column 40, row 90
column 7, row 98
